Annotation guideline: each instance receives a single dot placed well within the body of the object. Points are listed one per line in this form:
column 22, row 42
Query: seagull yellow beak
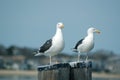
column 62, row 26
column 97, row 31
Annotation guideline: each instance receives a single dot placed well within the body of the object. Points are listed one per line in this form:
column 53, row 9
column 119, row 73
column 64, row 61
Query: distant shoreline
column 105, row 75
column 18, row 72
column 35, row 73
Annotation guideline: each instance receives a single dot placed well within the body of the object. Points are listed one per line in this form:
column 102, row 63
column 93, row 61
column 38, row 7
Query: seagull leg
column 50, row 60
column 87, row 57
column 78, row 56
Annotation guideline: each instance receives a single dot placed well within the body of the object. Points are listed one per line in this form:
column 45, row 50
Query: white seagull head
column 93, row 30
column 60, row 25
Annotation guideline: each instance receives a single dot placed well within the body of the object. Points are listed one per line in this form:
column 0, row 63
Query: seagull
column 86, row 44
column 54, row 45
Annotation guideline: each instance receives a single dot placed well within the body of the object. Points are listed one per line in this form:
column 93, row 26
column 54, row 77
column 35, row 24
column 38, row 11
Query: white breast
column 86, row 46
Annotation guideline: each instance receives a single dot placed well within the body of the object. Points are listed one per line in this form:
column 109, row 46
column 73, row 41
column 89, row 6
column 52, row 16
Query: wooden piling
column 66, row 71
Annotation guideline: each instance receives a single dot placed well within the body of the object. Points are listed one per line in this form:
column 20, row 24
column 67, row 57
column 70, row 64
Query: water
column 35, row 78
column 18, row 78
column 106, row 79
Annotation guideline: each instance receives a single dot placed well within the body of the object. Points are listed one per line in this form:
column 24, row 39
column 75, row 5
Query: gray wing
column 78, row 43
column 45, row 46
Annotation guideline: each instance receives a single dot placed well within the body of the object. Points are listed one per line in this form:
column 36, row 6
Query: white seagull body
column 53, row 46
column 86, row 44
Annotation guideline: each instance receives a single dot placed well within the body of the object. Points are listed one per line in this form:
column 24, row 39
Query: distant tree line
column 28, row 52
column 15, row 50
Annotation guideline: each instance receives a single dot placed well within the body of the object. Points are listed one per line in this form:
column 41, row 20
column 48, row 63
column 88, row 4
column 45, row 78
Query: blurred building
column 113, row 64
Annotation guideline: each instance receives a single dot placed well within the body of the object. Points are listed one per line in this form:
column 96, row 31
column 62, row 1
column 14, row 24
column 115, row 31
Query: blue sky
column 31, row 22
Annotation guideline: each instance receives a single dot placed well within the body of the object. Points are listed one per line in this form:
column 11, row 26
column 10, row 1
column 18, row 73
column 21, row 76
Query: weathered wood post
column 81, row 71
column 66, row 71
column 54, row 72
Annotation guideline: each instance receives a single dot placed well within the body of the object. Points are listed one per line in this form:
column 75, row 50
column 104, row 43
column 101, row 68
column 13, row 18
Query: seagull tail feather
column 37, row 53
column 74, row 50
